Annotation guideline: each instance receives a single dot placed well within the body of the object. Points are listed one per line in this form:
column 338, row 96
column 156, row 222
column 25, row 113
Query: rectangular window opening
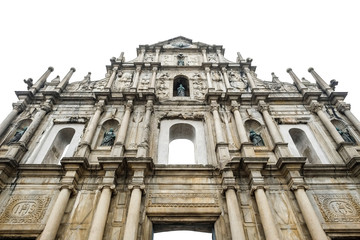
column 186, row 231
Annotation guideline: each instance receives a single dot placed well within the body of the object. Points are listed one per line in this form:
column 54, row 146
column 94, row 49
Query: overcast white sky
column 86, row 34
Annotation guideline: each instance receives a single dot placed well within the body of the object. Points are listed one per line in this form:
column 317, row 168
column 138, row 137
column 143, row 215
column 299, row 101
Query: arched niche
column 257, row 128
column 105, row 127
column 19, row 126
column 59, row 146
column 184, row 82
column 191, row 130
column 303, row 145
column 181, row 144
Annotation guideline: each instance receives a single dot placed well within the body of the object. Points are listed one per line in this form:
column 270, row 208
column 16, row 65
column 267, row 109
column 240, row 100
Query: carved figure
column 17, row 136
column 109, row 138
column 181, row 90
column 346, row 135
column 256, row 139
column 181, row 61
column 333, row 84
column 149, row 58
column 29, row 83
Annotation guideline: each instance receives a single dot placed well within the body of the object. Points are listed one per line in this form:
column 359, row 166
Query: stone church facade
column 90, row 159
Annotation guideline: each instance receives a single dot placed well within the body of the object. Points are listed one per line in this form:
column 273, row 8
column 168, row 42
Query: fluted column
column 136, row 77
column 226, row 78
column 310, row 217
column 118, row 147
column 61, row 86
column 157, row 53
column 16, row 150
column 90, row 130
column 142, row 55
column 274, row 132
column 17, row 108
column 143, row 147
column 317, row 108
column 323, row 85
column 203, row 51
column 57, row 212
column 345, row 109
column 153, row 77
column 300, row 86
column 250, row 78
column 40, row 83
column 112, row 78
column 217, row 123
column 208, row 77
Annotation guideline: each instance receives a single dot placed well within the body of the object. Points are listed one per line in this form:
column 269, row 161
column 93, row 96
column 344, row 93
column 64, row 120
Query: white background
column 86, row 34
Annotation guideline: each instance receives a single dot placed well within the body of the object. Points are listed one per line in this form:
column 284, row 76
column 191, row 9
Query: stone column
column 17, row 108
column 290, row 169
column 345, row 109
column 310, row 217
column 220, row 56
column 300, row 86
column 143, row 147
column 136, row 77
column 16, row 150
column 203, row 51
column 208, row 77
column 217, row 123
column 153, row 77
column 250, row 78
column 317, row 108
column 118, row 147
column 112, row 78
column 246, row 147
column 69, row 182
column 253, row 167
column 157, row 53
column 142, row 55
column 99, row 220
column 54, row 220
column 40, row 83
column 61, row 86
column 85, row 144
column 133, row 216
column 235, row 218
column 227, row 119
column 323, row 85
column 226, row 78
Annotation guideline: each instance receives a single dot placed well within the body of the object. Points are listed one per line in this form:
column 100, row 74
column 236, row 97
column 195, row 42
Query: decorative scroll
column 338, row 207
column 25, row 209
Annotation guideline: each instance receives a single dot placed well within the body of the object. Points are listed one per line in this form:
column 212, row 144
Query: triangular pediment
column 178, row 42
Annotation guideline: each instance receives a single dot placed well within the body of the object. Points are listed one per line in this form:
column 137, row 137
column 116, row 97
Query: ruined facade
column 90, row 159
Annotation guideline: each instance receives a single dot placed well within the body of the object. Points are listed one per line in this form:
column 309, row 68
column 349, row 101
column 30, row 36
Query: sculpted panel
column 338, row 207
column 25, row 209
column 123, row 80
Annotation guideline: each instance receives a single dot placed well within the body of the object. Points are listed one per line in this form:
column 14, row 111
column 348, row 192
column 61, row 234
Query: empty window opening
column 182, row 234
column 59, row 146
column 303, row 145
column 181, row 151
column 181, row 87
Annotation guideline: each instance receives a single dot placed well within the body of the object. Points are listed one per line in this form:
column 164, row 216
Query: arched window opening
column 181, row 151
column 59, row 146
column 181, row 144
column 181, row 87
column 303, row 145
column 182, row 234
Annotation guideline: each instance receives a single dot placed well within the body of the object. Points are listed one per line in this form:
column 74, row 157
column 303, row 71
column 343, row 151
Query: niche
column 181, row 87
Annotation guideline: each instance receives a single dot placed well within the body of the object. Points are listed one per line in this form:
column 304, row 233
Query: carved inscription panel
column 25, row 209
column 338, row 207
column 183, row 200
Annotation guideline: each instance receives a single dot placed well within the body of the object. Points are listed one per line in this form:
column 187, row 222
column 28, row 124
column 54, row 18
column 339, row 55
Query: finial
column 51, row 68
column 310, row 69
column 288, row 70
column 73, row 69
column 249, row 60
column 29, row 83
column 333, row 84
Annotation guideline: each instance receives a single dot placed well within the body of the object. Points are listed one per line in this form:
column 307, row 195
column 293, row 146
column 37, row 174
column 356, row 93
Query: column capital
column 129, row 104
column 47, row 106
column 69, row 187
column 315, row 106
column 254, row 187
column 138, row 68
column 224, row 69
column 154, row 69
column 141, row 187
column 112, row 188
column 295, row 187
column 149, row 106
column 342, row 107
column 235, row 108
column 19, row 106
column 207, row 69
column 246, row 69
column 263, row 106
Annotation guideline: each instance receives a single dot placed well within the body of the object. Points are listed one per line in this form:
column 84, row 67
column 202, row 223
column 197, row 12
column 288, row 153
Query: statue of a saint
column 17, row 136
column 109, row 138
column 256, row 139
column 346, row 135
column 181, row 91
column 181, row 61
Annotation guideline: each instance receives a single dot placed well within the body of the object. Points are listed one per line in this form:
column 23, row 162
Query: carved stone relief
column 137, row 118
column 162, row 86
column 149, row 57
column 145, row 80
column 238, row 82
column 217, row 80
column 338, row 207
column 199, row 86
column 211, row 57
column 193, row 61
column 25, row 209
column 100, row 85
column 123, row 80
